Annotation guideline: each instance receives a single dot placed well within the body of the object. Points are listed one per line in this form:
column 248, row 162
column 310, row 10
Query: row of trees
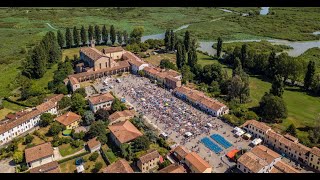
column 82, row 37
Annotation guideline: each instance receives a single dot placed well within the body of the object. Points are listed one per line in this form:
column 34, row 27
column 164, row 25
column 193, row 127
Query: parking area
column 7, row 166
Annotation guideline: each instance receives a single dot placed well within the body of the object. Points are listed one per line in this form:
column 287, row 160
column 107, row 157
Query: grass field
column 312, row 54
column 22, row 28
column 67, row 149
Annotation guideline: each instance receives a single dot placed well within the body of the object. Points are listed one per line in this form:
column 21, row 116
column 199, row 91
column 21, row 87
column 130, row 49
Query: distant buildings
column 120, row 166
column 201, row 101
column 173, row 168
column 286, row 144
column 149, row 161
column 101, row 101
column 263, row 160
column 39, row 155
column 29, row 120
column 69, row 120
column 169, row 78
column 52, row 167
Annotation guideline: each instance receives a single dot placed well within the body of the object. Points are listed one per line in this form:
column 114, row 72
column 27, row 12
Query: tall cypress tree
column 76, row 37
column 90, row 33
column 277, row 88
column 60, row 39
column 243, row 55
column 219, row 47
column 125, row 37
column 192, row 55
column 39, row 61
column 178, row 56
column 83, row 34
column 119, row 37
column 51, row 47
column 167, row 39
column 112, row 34
column 272, row 67
column 173, row 41
column 187, row 40
column 97, row 33
column 105, row 34
column 68, row 38
column 237, row 67
column 309, row 75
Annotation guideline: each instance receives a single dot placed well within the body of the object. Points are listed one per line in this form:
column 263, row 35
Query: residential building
column 173, row 168
column 282, row 167
column 102, row 101
column 123, row 132
column 259, row 160
column 197, row 164
column 136, row 63
column 257, row 129
column 39, row 155
column 69, row 120
column 314, row 158
column 180, row 152
column 120, row 166
column 149, row 161
column 94, row 145
column 119, row 116
column 167, row 77
column 201, row 101
column 27, row 121
column 51, row 167
column 73, row 83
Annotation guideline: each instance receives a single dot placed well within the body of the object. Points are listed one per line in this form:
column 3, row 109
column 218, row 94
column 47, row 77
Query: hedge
column 73, row 157
column 15, row 102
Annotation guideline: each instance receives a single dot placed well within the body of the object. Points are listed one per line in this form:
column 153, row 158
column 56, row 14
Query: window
column 100, row 65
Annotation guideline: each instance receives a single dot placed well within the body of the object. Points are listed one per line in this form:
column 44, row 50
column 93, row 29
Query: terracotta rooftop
column 173, row 168
column 68, row 118
column 300, row 148
column 120, row 166
column 172, row 79
column 265, row 153
column 38, row 152
column 92, row 53
column 282, row 167
column 257, row 124
column 101, row 98
column 92, row 143
column 151, row 70
column 150, row 155
column 74, row 81
column 181, row 151
column 116, row 115
column 51, row 103
column 197, row 162
column 291, row 138
column 112, row 49
column 315, row 151
column 125, row 131
column 51, row 167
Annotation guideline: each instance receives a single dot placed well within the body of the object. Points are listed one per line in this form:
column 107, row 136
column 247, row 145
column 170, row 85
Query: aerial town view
column 160, row 90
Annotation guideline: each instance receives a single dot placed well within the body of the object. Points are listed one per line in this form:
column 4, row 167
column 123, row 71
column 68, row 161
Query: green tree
column 35, row 66
column 117, row 105
column 119, row 37
column 112, row 34
column 141, row 143
column 277, row 88
column 83, row 34
column 105, row 34
column 167, row 39
column 18, row 157
column 51, row 48
column 187, row 41
column 76, row 36
column 244, row 55
column 219, row 47
column 60, row 39
column 186, row 73
column 69, row 42
column 55, row 128
column 314, row 134
column 180, row 56
column 45, row 119
column 238, row 88
column 237, row 67
column 102, row 115
column 125, row 37
column 309, row 75
column 77, row 102
column 98, row 129
column 167, row 64
column 174, row 41
column 88, row 118
column 97, row 166
column 94, row 156
column 164, row 164
column 97, row 33
column 64, row 102
column 272, row 67
column 81, row 91
column 291, row 130
column 28, row 139
column 211, row 72
column 90, row 33
column 136, row 34
column 192, row 56
column 272, row 108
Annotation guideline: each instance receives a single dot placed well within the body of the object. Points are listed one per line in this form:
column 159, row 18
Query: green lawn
column 67, row 149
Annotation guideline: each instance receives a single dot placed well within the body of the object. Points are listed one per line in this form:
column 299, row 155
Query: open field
column 67, row 149
column 27, row 25
column 312, row 54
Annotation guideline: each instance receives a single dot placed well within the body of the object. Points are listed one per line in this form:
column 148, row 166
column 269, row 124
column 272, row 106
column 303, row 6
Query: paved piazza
column 175, row 117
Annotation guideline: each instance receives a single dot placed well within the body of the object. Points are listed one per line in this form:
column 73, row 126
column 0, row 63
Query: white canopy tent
column 188, row 134
column 209, row 125
column 80, row 168
column 248, row 135
column 238, row 131
column 256, row 141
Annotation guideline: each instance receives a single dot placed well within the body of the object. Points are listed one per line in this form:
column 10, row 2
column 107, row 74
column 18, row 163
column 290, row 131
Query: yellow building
column 314, row 158
column 70, row 120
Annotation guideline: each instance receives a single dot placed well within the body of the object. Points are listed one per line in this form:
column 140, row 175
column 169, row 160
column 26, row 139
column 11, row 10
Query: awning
column 232, row 153
column 239, row 133
column 188, row 134
column 248, row 135
column 80, row 168
column 256, row 141
column 208, row 124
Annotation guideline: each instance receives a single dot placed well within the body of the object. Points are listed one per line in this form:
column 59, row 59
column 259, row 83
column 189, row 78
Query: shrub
column 94, row 156
column 28, row 139
column 18, row 157
column 97, row 167
column 232, row 119
column 73, row 157
column 75, row 143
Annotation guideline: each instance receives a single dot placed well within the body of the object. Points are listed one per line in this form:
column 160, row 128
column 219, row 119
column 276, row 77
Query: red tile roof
column 38, row 152
column 125, row 131
column 315, row 151
column 68, row 118
column 181, row 151
column 120, row 166
column 116, row 115
column 51, row 167
column 173, row 168
column 197, row 162
column 112, row 49
column 101, row 98
column 92, row 143
column 150, row 155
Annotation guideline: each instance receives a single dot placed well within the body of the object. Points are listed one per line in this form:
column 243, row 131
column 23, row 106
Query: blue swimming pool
column 219, row 139
column 211, row 145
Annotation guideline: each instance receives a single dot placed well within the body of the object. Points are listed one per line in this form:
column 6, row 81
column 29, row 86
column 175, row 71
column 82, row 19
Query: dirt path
column 51, row 26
